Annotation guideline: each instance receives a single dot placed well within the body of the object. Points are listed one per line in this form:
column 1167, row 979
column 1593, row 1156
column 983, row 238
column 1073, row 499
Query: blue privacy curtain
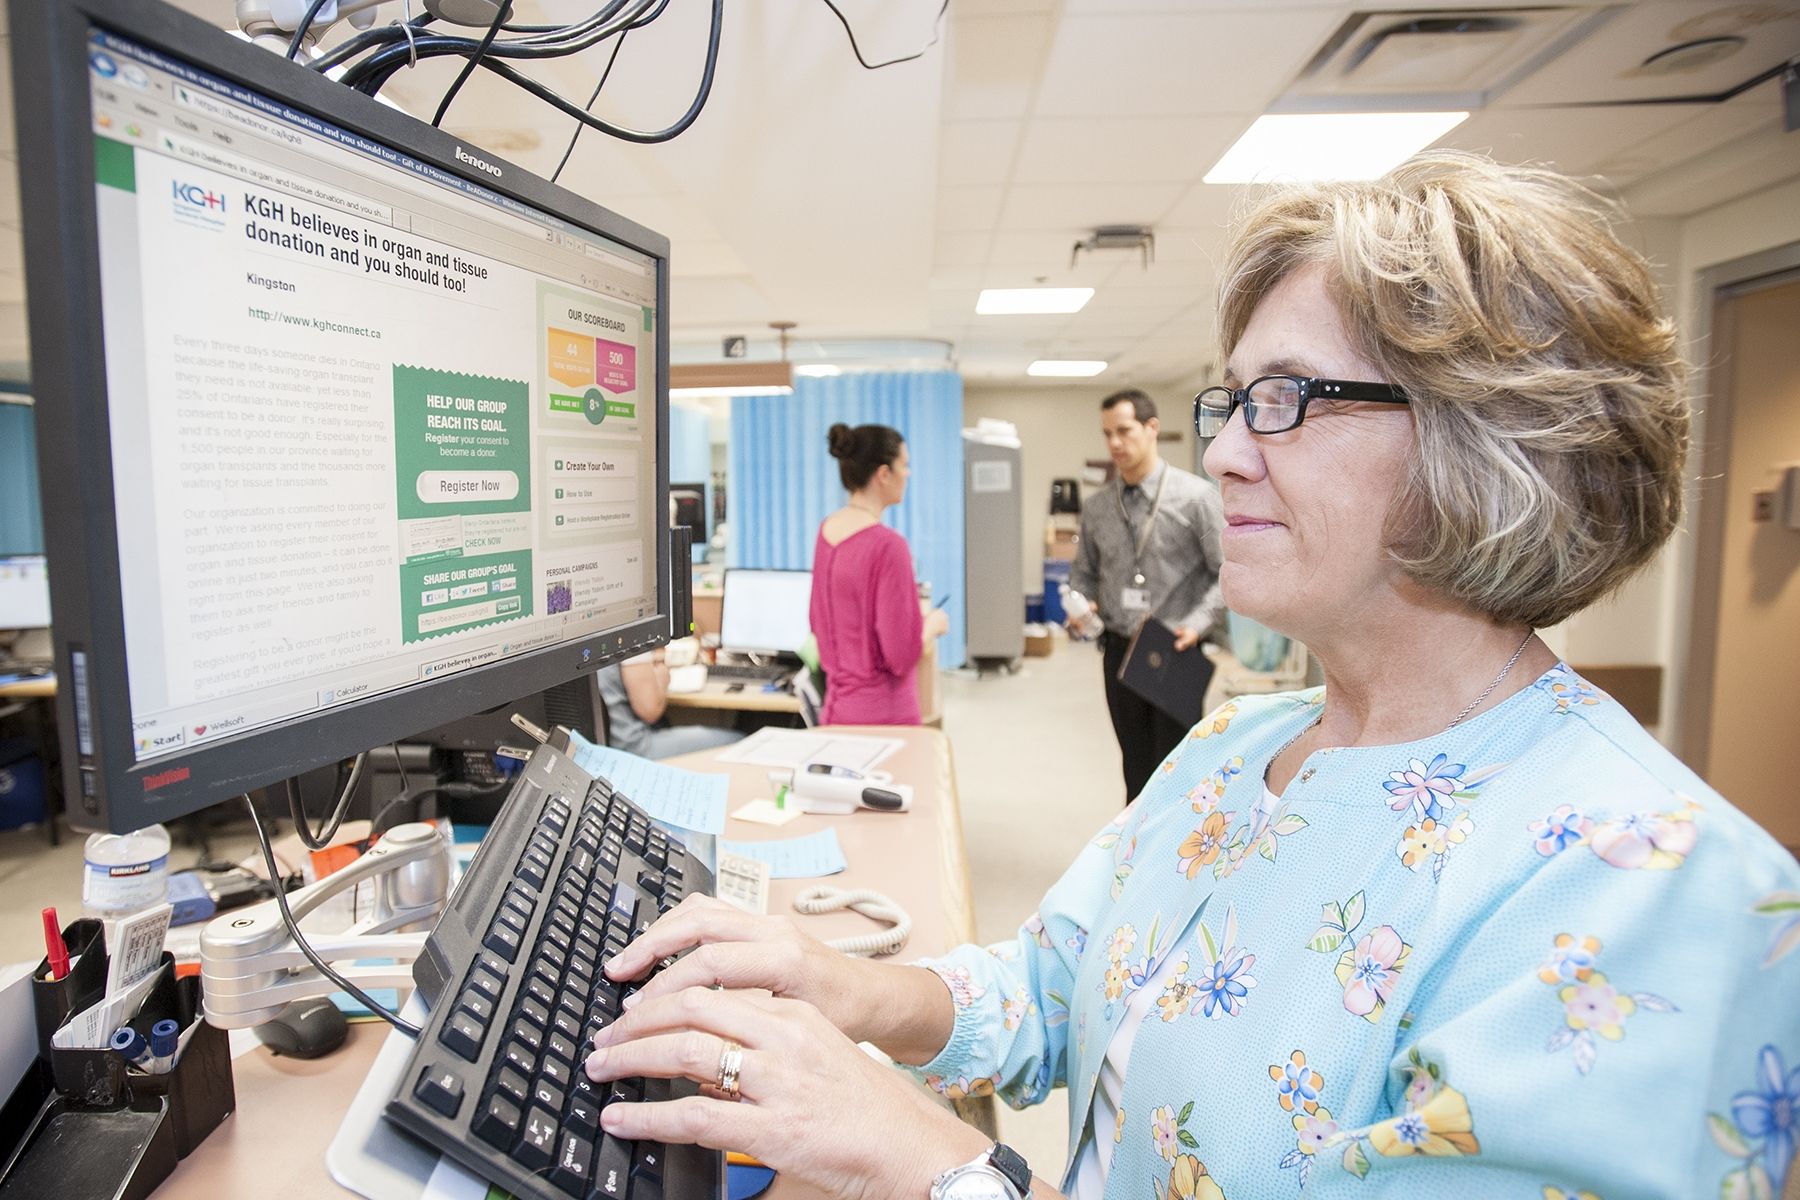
column 783, row 481
column 690, row 456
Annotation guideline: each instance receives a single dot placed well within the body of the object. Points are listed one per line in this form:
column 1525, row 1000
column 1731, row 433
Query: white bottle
column 1084, row 622
column 125, row 872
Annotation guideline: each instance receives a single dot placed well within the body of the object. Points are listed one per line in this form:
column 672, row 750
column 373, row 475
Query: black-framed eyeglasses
column 1277, row 403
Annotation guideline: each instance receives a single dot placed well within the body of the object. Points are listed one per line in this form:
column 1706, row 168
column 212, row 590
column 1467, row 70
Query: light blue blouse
column 1534, row 956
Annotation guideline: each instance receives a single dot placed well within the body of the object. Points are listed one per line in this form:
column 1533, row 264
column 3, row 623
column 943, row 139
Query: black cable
column 322, row 839
column 629, row 135
column 293, row 927
column 405, row 784
column 371, row 74
column 350, row 47
column 457, row 790
column 306, row 20
column 589, row 106
column 493, row 32
column 936, row 32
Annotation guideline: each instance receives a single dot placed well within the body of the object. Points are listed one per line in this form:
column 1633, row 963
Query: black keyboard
column 752, row 673
column 569, row 872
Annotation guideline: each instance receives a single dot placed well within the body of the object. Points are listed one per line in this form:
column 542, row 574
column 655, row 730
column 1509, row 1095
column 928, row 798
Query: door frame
column 1697, row 629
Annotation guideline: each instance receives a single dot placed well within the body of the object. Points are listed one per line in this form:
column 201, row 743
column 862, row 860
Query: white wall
column 1059, row 427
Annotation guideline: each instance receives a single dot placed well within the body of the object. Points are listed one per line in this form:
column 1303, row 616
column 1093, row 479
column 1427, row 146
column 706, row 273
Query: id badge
column 1135, row 599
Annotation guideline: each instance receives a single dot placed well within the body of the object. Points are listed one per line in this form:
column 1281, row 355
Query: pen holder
column 199, row 1087
column 90, row 1077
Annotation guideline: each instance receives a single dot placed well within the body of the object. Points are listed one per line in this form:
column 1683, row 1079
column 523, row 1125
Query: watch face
column 979, row 1183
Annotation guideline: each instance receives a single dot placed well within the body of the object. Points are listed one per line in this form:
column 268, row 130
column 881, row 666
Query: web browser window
column 372, row 424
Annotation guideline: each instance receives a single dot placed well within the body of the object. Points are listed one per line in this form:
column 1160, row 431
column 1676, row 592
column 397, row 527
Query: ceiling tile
column 976, row 152
column 1573, row 140
column 994, row 65
column 1713, row 126
column 1156, row 149
column 962, row 249
column 962, row 209
column 1176, row 64
column 1078, row 207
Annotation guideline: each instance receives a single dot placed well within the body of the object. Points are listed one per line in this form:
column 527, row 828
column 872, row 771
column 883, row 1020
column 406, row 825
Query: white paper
column 92, row 1029
column 685, row 798
column 791, row 748
column 136, row 943
column 764, row 812
column 806, row 857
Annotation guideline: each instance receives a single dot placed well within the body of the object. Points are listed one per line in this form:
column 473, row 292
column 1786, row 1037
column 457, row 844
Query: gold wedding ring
column 730, row 1063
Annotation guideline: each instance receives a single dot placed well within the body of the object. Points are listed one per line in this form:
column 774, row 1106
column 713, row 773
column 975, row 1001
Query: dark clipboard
column 1174, row 682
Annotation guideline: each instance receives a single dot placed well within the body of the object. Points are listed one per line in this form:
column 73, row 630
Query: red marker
column 57, row 951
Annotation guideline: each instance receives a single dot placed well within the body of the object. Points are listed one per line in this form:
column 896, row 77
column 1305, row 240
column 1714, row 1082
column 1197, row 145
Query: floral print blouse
column 1533, row 956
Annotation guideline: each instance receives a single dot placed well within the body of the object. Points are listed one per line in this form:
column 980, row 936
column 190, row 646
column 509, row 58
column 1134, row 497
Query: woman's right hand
column 736, row 949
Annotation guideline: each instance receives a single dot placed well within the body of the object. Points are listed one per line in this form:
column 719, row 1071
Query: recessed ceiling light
column 1028, row 301
column 1310, row 147
column 818, row 370
column 1066, row 368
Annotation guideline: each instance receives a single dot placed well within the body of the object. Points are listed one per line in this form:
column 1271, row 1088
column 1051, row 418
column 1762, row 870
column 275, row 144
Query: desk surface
column 751, row 699
column 288, row 1110
column 42, row 686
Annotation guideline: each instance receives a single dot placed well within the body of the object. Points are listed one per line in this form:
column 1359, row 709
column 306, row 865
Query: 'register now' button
column 460, row 487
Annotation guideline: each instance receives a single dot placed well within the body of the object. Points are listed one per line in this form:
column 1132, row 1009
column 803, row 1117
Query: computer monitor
column 764, row 611
column 352, row 429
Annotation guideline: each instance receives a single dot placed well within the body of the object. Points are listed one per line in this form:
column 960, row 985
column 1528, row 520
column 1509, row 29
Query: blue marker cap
column 163, row 1036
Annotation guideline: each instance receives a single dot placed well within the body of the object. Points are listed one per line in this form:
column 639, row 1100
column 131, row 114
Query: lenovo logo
column 165, row 778
column 463, row 156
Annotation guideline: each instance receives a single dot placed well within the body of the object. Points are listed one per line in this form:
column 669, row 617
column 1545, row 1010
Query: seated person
column 636, row 692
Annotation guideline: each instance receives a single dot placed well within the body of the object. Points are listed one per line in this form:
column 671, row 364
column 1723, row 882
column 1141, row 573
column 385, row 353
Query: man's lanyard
column 1142, row 539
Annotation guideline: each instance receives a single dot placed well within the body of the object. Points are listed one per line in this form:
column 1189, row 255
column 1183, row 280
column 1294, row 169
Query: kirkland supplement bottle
column 125, row 872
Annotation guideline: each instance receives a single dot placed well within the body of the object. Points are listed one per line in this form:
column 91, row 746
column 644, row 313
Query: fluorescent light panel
column 818, row 370
column 750, row 390
column 1066, row 368
column 1013, row 302
column 1314, row 147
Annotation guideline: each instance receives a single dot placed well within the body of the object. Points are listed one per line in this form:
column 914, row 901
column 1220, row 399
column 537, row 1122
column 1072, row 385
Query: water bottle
column 125, row 872
column 1084, row 622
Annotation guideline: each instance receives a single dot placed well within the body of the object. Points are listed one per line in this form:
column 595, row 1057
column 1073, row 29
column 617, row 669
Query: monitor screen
column 24, row 592
column 385, row 420
column 765, row 612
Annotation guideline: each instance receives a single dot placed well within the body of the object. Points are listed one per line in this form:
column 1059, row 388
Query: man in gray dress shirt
column 1149, row 547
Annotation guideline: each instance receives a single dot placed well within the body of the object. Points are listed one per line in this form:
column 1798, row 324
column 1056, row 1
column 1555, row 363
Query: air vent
column 1431, row 60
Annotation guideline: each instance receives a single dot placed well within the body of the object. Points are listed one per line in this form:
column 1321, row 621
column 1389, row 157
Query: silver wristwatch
column 1000, row 1174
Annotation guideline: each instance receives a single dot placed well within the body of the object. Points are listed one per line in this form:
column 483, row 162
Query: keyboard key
column 574, row 1162
column 463, row 1035
column 513, row 1085
column 440, row 1090
column 561, row 1049
column 624, row 902
column 486, row 983
column 584, row 1114
column 498, row 1123
column 612, row 1170
column 558, row 1072
column 537, row 1141
column 502, row 941
column 477, row 1006
column 537, row 1014
column 521, row 1058
column 549, row 1095
column 527, row 1035
column 647, row 1161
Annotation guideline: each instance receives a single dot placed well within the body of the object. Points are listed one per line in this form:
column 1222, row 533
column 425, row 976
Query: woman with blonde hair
column 1453, row 924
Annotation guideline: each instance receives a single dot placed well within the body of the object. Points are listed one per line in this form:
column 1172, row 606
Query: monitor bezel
column 725, row 604
column 105, row 786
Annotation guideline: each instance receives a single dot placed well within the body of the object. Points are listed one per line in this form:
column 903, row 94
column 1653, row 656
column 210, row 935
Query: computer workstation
column 355, row 435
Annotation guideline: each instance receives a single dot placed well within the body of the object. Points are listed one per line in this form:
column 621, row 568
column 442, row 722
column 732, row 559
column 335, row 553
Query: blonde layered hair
column 1548, row 399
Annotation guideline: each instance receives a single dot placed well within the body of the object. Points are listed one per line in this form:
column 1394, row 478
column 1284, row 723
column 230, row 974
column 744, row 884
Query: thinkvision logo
column 463, row 156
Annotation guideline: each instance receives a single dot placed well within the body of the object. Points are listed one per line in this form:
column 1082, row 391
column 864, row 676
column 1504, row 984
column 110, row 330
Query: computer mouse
column 305, row 1029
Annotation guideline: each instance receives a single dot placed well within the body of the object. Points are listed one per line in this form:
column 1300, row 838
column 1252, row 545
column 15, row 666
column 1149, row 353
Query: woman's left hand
column 812, row 1104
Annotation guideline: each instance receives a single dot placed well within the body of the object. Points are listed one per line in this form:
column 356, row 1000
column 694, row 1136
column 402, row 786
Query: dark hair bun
column 841, row 439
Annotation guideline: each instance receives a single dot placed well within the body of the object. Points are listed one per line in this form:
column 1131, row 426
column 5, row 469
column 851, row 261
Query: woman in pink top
column 865, row 603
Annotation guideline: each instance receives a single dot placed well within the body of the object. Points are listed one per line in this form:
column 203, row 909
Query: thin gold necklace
column 1460, row 717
